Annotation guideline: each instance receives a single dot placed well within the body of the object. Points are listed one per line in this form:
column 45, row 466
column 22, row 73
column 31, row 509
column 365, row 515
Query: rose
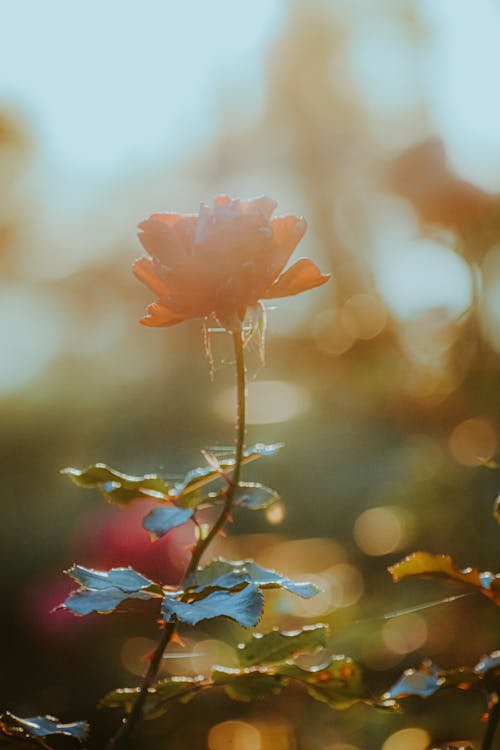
column 221, row 262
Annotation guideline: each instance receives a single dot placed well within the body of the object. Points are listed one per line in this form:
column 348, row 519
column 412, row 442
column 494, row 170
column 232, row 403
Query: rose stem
column 130, row 721
column 491, row 726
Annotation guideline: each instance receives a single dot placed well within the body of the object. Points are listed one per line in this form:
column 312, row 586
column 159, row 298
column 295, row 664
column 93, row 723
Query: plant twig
column 491, row 727
column 130, row 721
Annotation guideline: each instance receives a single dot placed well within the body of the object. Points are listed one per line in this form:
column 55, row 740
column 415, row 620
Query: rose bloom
column 221, row 262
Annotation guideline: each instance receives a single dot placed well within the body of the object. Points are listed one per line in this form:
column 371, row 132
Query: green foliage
column 248, row 684
column 160, row 520
column 429, row 678
column 338, row 682
column 255, row 496
column 117, row 487
column 162, row 696
column 122, row 489
column 221, row 574
column 102, row 591
column 243, row 606
column 277, row 645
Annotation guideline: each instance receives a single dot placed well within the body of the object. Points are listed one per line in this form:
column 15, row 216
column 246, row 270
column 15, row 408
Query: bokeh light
column 411, row 738
column 405, row 633
column 276, row 513
column 234, row 735
column 209, row 652
column 473, row 441
column 363, row 316
column 330, row 333
column 380, row 530
column 135, row 652
column 269, row 401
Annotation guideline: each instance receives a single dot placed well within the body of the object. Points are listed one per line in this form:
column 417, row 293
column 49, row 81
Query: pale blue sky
column 113, row 82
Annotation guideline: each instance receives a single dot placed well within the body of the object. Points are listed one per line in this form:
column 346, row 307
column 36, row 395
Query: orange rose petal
column 168, row 219
column 261, row 205
column 145, row 271
column 160, row 316
column 287, row 233
column 303, row 275
column 160, row 240
column 222, row 200
column 286, row 228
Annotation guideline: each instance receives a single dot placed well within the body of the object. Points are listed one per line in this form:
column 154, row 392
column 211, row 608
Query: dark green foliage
column 160, row 698
column 275, row 646
column 102, row 591
column 122, row 489
column 243, row 605
column 161, row 520
column 247, row 684
column 429, row 678
column 255, row 496
column 338, row 682
column 215, row 575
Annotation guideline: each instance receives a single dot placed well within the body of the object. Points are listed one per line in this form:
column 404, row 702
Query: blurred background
column 380, row 123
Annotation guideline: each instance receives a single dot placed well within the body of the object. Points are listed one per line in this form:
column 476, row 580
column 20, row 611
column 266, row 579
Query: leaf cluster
column 267, row 664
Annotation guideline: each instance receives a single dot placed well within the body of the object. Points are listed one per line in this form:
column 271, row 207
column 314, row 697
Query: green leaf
column 160, row 520
column 39, row 727
column 488, row 663
column 187, row 493
column 255, row 496
column 247, row 684
column 214, row 576
column 427, row 565
column 243, row 606
column 122, row 489
column 126, row 579
column 277, row 645
column 160, row 697
column 118, row 487
column 103, row 590
column 338, row 682
column 422, row 682
column 428, row 679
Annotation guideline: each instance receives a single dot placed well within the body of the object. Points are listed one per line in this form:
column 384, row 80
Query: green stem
column 491, row 727
column 134, row 716
column 130, row 721
column 203, row 544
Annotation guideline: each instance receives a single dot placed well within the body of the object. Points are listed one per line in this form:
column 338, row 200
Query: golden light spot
column 209, row 652
column 134, row 653
column 346, row 585
column 276, row 734
column 473, row 441
column 234, row 735
column 412, row 738
column 269, row 401
column 330, row 335
column 276, row 513
column 379, row 531
column 302, row 556
column 363, row 316
column 405, row 633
